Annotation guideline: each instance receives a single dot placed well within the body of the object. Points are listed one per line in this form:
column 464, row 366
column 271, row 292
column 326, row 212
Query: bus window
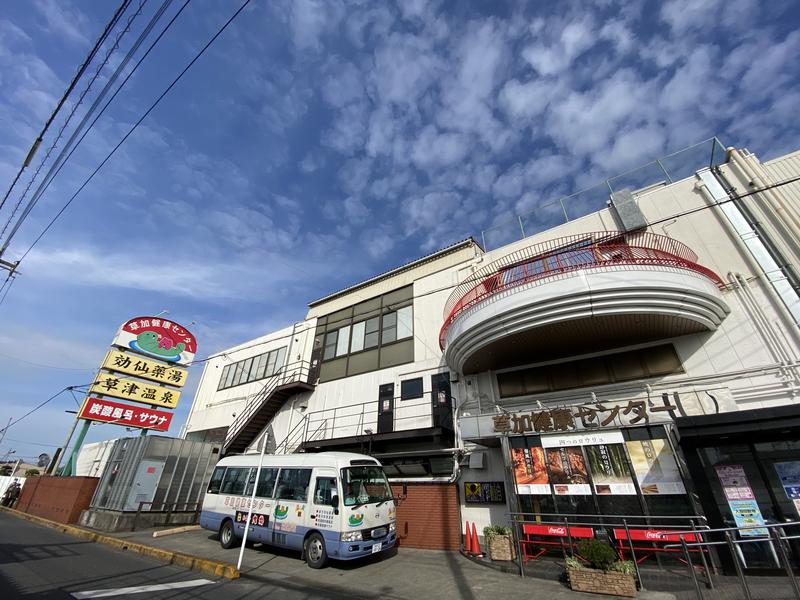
column 234, row 480
column 266, row 482
column 325, row 490
column 293, row 485
column 216, row 480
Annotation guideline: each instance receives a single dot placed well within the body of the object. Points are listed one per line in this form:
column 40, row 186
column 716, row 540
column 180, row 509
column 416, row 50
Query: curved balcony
column 578, row 294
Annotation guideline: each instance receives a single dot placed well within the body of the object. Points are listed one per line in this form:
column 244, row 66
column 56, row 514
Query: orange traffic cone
column 467, row 539
column 476, row 545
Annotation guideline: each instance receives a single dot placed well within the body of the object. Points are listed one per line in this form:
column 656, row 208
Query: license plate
column 376, row 548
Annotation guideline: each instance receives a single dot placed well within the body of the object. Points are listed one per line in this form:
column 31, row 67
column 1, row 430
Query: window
column 371, row 333
column 252, row 369
column 266, row 482
column 234, row 480
column 216, row 480
column 599, row 370
column 293, row 484
column 411, row 388
column 343, row 341
column 324, row 491
column 365, row 485
column 357, row 345
column 405, row 322
column 389, row 327
column 330, row 345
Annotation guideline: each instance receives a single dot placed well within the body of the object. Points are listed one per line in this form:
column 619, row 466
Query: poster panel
column 568, row 471
column 530, row 471
column 789, row 474
column 655, row 467
column 741, row 499
column 610, row 472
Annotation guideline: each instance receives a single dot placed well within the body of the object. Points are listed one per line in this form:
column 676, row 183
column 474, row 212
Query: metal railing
column 544, row 261
column 691, row 524
column 288, row 374
column 354, row 420
column 548, row 214
column 775, row 537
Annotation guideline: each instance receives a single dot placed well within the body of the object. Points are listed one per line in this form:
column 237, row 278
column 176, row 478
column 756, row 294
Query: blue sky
column 320, row 142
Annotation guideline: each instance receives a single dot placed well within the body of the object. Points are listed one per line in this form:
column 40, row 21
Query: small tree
column 5, row 470
column 31, row 472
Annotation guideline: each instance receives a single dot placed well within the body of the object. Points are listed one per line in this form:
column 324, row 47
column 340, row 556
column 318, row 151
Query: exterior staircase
column 290, row 380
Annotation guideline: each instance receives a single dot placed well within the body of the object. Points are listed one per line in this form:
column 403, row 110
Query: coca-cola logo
column 655, row 535
column 557, row 530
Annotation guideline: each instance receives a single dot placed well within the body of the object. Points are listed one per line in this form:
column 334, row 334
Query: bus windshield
column 364, row 485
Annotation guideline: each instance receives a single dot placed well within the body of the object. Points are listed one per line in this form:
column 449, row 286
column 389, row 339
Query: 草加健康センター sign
column 159, row 338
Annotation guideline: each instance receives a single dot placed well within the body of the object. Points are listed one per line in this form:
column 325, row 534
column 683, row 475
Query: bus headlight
column 392, row 527
column 351, row 536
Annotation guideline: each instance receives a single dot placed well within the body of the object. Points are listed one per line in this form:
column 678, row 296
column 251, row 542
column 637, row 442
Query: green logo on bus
column 355, row 520
column 281, row 511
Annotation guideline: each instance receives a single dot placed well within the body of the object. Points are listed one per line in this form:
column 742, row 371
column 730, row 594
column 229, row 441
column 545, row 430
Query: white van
column 328, row 505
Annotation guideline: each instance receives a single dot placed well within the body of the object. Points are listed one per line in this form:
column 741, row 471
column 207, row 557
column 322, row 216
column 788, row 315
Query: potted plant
column 500, row 544
column 604, row 574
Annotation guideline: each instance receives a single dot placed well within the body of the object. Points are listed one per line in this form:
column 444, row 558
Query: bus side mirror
column 335, row 504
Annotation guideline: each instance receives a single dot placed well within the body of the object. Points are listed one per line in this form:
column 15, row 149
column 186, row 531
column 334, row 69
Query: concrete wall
column 57, row 498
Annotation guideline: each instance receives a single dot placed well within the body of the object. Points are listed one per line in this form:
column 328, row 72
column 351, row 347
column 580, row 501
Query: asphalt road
column 37, row 563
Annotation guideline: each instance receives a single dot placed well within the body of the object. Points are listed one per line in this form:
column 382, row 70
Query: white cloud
column 433, row 149
column 64, row 20
column 310, row 20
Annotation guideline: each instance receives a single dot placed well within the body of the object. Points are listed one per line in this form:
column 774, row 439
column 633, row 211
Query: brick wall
column 428, row 516
column 58, row 498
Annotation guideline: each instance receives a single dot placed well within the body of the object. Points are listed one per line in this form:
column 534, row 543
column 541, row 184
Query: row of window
column 599, row 370
column 369, row 333
column 252, row 369
column 290, row 484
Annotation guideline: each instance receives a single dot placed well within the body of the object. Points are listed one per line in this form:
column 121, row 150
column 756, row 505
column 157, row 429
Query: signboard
column 133, row 364
column 158, row 338
column 741, row 499
column 655, row 467
column 130, row 389
column 568, row 471
column 256, row 519
column 106, row 411
column 476, row 492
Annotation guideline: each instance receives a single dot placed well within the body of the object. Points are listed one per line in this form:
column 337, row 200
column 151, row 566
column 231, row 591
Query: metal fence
column 548, row 214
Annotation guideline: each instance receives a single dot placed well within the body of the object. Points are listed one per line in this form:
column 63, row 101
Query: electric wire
column 41, row 405
column 42, row 187
column 136, row 125
column 89, row 58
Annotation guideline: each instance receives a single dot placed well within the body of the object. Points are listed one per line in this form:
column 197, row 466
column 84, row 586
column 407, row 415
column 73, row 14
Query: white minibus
column 334, row 505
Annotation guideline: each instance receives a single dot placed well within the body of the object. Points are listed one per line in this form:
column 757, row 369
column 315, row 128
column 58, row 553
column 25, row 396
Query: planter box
column 602, row 582
column 501, row 547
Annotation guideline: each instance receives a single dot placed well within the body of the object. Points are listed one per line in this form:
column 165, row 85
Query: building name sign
column 590, row 416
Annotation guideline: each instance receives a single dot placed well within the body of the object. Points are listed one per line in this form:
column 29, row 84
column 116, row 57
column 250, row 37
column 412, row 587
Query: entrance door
column 386, row 408
column 441, row 403
column 321, row 513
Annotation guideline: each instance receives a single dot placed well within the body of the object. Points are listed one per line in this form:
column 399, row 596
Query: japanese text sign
column 159, row 338
column 138, row 391
column 132, row 364
column 96, row 409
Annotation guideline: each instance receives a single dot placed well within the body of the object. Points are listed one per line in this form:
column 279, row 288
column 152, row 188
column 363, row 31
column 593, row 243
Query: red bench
column 657, row 538
column 562, row 532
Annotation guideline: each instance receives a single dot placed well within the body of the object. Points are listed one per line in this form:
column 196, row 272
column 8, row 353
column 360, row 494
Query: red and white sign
column 159, row 338
column 127, row 415
column 655, row 535
column 558, row 531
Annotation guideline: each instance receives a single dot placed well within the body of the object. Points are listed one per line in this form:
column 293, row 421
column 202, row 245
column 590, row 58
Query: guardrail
column 541, row 262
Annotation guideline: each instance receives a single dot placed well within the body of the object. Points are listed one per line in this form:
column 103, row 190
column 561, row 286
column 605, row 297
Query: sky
column 320, row 142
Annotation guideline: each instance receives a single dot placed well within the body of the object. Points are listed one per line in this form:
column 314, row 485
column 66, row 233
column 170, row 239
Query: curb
column 196, row 563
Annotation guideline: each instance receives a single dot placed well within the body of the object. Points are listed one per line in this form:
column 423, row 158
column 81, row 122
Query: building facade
column 640, row 357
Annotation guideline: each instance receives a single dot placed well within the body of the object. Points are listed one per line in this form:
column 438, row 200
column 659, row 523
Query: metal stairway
column 260, row 410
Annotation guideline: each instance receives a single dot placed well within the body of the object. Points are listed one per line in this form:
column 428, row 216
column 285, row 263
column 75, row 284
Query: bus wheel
column 227, row 538
column 316, row 556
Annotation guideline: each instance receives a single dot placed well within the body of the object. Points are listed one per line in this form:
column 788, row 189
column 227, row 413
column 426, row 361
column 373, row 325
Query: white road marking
column 138, row 589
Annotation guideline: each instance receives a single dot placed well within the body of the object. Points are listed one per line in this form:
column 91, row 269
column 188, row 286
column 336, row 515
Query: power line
column 40, row 190
column 50, row 399
column 42, row 365
column 136, row 125
column 111, row 24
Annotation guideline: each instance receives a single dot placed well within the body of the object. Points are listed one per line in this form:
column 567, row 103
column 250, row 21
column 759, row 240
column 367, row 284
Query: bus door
column 261, row 520
column 322, row 514
column 290, row 515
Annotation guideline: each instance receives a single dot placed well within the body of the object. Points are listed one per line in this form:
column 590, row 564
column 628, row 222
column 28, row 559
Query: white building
column 633, row 343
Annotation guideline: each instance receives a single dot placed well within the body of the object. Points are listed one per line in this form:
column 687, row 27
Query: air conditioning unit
column 473, row 460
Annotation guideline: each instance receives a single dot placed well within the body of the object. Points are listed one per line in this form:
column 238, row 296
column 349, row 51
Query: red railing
column 549, row 259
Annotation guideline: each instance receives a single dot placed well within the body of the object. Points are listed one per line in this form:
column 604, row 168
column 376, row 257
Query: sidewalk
column 407, row 574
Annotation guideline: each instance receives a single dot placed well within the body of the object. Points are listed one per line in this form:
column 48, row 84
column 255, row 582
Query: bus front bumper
column 351, row 550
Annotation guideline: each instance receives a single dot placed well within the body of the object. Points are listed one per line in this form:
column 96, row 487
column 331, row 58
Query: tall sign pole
column 144, row 365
